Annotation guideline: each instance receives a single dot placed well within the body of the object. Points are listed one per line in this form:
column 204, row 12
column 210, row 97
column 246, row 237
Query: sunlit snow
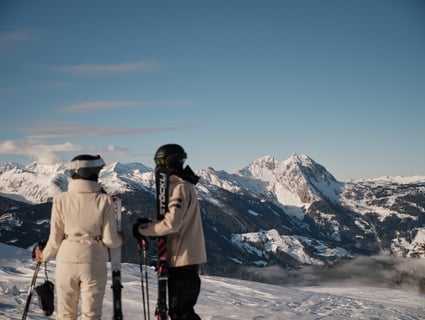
column 222, row 298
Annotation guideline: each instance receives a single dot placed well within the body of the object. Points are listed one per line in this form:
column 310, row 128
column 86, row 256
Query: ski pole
column 145, row 258
column 30, row 290
column 140, row 245
column 40, row 246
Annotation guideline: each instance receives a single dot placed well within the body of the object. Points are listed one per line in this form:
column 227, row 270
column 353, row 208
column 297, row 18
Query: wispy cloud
column 101, row 105
column 108, row 69
column 97, row 105
column 10, row 40
column 36, row 149
column 43, row 151
column 42, row 138
column 53, row 129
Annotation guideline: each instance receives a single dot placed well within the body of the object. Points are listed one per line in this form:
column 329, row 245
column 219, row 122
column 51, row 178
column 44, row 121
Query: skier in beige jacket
column 82, row 227
column 182, row 225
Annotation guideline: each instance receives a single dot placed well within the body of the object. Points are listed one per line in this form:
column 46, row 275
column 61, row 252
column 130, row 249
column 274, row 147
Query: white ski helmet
column 85, row 166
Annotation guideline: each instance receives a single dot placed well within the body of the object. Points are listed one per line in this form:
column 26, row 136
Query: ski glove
column 38, row 249
column 140, row 223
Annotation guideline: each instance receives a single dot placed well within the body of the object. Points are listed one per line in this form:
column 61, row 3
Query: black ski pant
column 184, row 286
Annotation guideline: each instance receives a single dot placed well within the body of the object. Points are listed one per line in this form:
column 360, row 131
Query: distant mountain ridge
column 288, row 213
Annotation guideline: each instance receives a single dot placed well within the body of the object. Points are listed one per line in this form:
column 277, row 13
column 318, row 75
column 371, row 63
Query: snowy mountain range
column 289, row 214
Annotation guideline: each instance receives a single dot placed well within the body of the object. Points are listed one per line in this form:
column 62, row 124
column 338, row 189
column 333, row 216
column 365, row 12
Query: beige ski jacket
column 82, row 225
column 182, row 225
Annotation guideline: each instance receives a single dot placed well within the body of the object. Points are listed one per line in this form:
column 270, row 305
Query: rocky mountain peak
column 6, row 166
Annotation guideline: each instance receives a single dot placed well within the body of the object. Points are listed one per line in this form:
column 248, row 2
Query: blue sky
column 231, row 81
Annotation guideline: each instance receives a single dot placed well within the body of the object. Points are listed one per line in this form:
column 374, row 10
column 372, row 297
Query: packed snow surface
column 221, row 298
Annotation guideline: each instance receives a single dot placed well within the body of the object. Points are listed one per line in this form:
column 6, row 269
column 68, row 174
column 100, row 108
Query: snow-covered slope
column 222, row 298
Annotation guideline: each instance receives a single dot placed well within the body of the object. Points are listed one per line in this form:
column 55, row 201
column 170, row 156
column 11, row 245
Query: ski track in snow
column 221, row 298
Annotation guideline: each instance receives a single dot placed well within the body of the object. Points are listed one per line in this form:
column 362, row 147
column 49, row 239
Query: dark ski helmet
column 85, row 166
column 172, row 155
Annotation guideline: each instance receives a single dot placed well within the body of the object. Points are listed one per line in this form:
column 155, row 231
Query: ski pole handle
column 142, row 243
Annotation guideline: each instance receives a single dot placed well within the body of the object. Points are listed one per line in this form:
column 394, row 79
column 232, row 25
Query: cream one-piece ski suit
column 82, row 226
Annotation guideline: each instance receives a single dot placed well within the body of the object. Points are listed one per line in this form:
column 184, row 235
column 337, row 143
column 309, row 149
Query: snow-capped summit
column 37, row 182
column 297, row 181
column 118, row 177
column 40, row 180
column 126, row 169
column 6, row 166
column 48, row 167
column 311, row 176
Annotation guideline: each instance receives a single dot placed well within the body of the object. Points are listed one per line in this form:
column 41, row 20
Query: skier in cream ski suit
column 82, row 228
column 182, row 225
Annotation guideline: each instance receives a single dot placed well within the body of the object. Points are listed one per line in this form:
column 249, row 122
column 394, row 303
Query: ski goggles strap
column 95, row 163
